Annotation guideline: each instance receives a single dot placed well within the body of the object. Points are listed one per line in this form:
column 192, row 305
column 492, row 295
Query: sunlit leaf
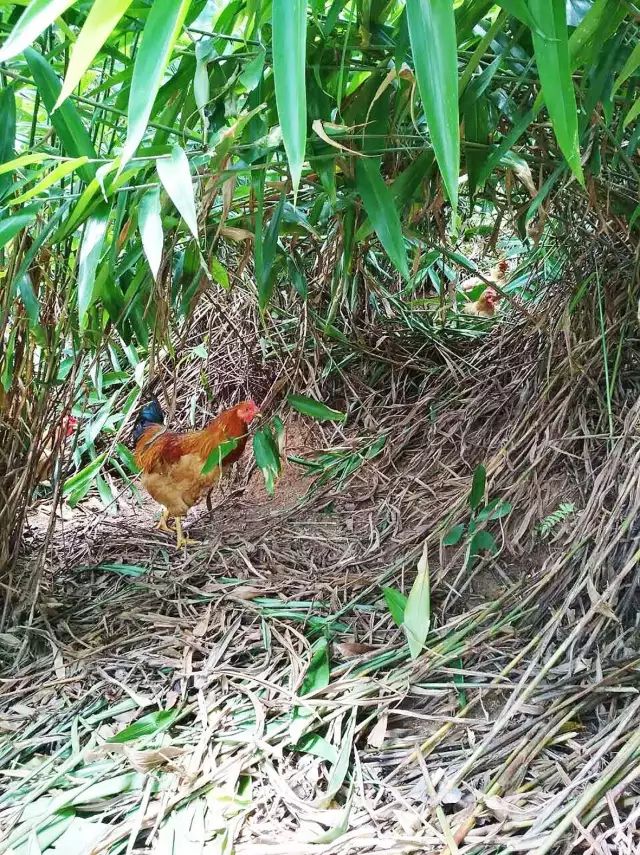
column 417, row 613
column 38, row 15
column 432, row 31
column 289, row 20
column 175, row 175
column 150, row 225
column 90, row 250
column 161, row 30
column 551, row 46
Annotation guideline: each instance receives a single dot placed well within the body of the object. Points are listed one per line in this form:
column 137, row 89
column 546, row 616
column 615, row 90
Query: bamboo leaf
column 218, row 454
column 265, row 451
column 551, row 47
column 265, row 258
column 150, row 225
column 289, row 20
column 628, row 68
column 66, row 119
column 98, row 26
column 159, row 36
column 478, row 484
column 381, row 210
column 396, row 603
column 432, row 32
column 316, row 409
column 417, row 613
column 10, row 226
column 7, row 132
column 90, row 249
column 148, row 725
column 175, row 175
column 52, row 177
column 633, row 113
column 35, row 19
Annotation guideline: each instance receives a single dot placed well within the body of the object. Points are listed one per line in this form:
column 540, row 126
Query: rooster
column 172, row 463
column 485, row 305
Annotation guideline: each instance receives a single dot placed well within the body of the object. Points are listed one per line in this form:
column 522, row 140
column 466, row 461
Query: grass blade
column 380, row 208
column 161, row 31
column 98, row 26
column 289, row 19
column 551, row 47
column 432, row 33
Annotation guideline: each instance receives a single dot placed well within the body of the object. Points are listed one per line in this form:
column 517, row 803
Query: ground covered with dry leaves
column 253, row 694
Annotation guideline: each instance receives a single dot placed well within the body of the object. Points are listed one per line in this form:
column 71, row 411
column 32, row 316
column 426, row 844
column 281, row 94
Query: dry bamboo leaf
column 378, row 732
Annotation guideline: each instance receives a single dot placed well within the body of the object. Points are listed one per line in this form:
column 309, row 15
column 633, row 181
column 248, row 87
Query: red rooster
column 172, row 463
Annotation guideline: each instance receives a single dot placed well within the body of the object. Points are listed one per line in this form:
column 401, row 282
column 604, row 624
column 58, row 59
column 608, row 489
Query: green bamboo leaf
column 90, row 249
column 317, row 676
column 35, row 19
column 396, row 603
column 628, row 68
column 478, row 484
column 417, row 613
column 551, row 47
column 175, row 175
column 266, row 256
column 289, row 19
column 7, row 132
column 218, row 454
column 148, row 725
column 432, row 32
column 23, row 160
column 633, row 114
column 98, row 26
column 159, row 36
column 10, row 226
column 66, row 119
column 317, row 410
column 83, row 478
column 267, row 457
column 52, row 177
column 150, row 225
column 380, row 208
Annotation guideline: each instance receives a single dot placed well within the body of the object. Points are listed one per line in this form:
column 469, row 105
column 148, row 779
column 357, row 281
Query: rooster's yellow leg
column 162, row 523
column 181, row 540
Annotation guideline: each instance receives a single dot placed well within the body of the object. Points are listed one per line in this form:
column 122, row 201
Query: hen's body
column 172, row 463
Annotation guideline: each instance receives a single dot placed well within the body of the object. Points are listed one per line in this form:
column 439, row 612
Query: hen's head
column 69, row 425
column 491, row 296
column 247, row 411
